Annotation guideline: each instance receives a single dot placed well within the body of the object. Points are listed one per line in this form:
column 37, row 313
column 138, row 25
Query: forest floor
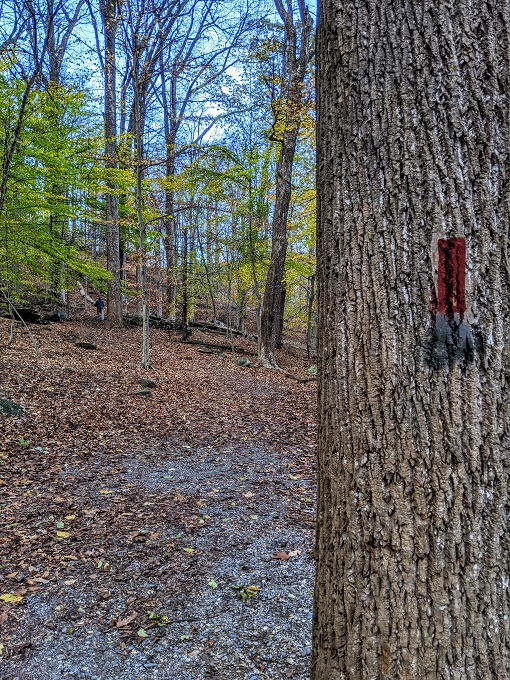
column 153, row 537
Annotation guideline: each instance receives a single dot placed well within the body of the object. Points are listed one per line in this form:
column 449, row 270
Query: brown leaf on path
column 280, row 556
column 179, row 497
column 286, row 555
column 4, row 615
column 122, row 623
column 19, row 649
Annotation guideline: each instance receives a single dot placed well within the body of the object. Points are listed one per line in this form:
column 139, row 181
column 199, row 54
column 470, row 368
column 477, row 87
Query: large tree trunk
column 414, row 433
column 296, row 62
column 110, row 23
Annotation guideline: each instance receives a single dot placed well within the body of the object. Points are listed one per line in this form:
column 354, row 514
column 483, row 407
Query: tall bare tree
column 146, row 26
column 296, row 58
column 60, row 29
column 110, row 16
column 189, row 74
column 414, row 363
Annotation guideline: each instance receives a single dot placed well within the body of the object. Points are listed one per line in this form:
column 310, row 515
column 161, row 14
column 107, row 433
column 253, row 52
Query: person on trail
column 100, row 308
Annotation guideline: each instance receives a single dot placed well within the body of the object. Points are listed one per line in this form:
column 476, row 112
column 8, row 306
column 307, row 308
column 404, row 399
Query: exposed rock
column 85, row 345
column 146, row 383
column 27, row 314
column 311, row 370
column 59, row 316
column 243, row 361
column 9, row 408
column 142, row 393
column 155, row 321
column 210, row 350
column 30, row 315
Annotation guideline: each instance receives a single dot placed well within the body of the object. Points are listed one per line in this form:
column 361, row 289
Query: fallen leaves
column 286, row 555
column 246, row 592
column 124, row 622
column 60, row 503
column 7, row 597
column 158, row 619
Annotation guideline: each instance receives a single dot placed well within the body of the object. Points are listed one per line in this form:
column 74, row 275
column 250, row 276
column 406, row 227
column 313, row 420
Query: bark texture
column 414, row 435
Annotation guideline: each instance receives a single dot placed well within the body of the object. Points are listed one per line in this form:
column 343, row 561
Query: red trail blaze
column 451, row 276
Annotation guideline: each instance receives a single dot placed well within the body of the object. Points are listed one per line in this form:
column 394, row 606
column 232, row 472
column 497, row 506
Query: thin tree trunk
column 309, row 312
column 110, row 23
column 207, row 276
column 159, row 279
column 170, row 239
column 170, row 123
column 295, row 67
column 184, row 288
column 138, row 120
column 256, row 286
column 138, row 274
column 281, row 317
column 273, row 289
column 414, row 323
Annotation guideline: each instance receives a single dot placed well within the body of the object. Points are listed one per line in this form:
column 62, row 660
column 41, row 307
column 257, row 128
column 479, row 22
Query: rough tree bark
column 414, row 331
column 110, row 17
column 298, row 48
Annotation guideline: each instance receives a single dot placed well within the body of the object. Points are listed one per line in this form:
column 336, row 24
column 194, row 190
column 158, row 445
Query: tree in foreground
column 414, row 361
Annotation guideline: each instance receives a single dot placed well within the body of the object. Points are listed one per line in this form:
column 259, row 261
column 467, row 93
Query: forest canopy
column 146, row 137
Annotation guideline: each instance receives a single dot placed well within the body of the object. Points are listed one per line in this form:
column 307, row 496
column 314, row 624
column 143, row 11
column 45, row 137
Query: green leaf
column 7, row 597
column 141, row 633
column 212, row 584
column 159, row 619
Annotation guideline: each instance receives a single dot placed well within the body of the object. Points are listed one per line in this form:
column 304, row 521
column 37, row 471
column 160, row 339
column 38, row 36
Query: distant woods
column 161, row 153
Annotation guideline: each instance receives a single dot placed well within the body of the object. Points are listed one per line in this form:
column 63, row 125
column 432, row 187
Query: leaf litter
column 92, row 476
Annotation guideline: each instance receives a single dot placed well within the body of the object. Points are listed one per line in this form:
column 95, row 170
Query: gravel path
column 160, row 596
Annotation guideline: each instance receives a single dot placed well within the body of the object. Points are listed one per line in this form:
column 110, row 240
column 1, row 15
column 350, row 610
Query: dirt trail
column 133, row 527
